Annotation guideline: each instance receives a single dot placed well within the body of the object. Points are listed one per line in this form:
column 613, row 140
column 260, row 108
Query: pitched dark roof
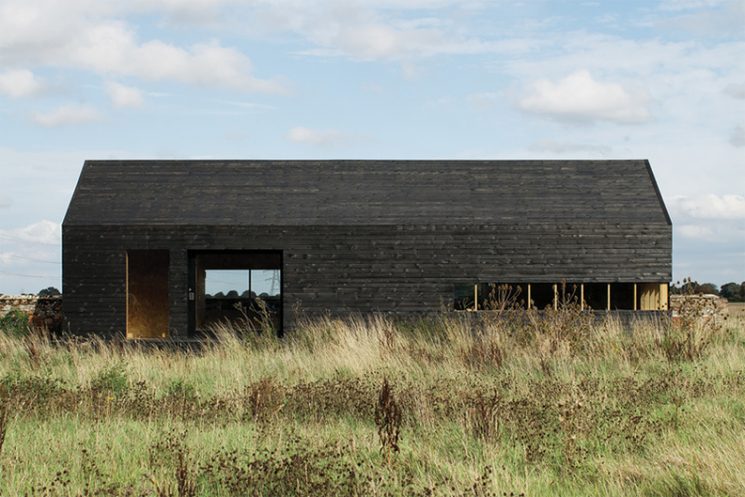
column 369, row 192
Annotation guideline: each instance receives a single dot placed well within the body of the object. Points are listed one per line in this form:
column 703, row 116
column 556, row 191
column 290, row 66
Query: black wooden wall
column 396, row 268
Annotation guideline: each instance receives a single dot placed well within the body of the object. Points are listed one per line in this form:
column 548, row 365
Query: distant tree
column 742, row 291
column 49, row 292
column 232, row 294
column 218, row 295
column 691, row 287
column 707, row 288
column 731, row 292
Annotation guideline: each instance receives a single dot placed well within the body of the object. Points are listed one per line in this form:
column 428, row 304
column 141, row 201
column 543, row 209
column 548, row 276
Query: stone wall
column 703, row 304
column 41, row 311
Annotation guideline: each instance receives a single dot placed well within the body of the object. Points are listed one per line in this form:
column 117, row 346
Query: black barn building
column 155, row 249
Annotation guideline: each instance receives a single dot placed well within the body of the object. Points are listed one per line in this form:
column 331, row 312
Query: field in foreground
column 559, row 405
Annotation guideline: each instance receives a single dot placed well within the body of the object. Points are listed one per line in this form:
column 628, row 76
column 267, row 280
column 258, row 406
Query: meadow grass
column 553, row 404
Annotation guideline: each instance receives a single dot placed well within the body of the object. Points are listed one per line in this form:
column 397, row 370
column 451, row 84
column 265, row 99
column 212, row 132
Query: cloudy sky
column 471, row 79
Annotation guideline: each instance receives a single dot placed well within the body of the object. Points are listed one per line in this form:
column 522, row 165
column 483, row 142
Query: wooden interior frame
column 646, row 296
column 199, row 261
column 608, row 294
column 556, row 296
column 635, row 297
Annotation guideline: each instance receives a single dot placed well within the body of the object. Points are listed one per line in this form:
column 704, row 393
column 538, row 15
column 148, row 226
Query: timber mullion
column 608, row 308
column 556, row 296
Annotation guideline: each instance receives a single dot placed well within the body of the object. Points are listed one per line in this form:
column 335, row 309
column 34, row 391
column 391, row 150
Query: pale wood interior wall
column 664, row 296
column 653, row 296
column 147, row 293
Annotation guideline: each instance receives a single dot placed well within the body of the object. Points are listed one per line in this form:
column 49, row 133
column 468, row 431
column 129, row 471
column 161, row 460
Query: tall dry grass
column 455, row 404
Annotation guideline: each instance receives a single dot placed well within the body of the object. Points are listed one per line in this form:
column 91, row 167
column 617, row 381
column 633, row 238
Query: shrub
column 482, row 416
column 49, row 292
column 264, row 399
column 32, row 389
column 15, row 323
column 171, row 449
column 181, row 389
column 111, row 380
column 3, row 424
column 388, row 420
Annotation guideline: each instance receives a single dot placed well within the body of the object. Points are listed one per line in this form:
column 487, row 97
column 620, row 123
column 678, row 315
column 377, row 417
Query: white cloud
column 316, row 136
column 684, row 81
column 374, row 41
column 39, row 31
column 124, row 96
column 569, row 148
column 695, row 231
column 17, row 83
column 189, row 11
column 715, row 17
column 579, row 97
column 710, row 206
column 44, row 232
column 736, row 90
column 676, row 5
column 67, row 114
column 84, row 34
column 369, row 30
column 111, row 48
column 671, row 65
column 737, row 138
column 29, row 259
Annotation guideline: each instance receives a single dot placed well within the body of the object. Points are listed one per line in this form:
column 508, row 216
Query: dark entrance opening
column 235, row 288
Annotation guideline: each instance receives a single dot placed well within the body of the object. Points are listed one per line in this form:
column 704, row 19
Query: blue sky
column 99, row 79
